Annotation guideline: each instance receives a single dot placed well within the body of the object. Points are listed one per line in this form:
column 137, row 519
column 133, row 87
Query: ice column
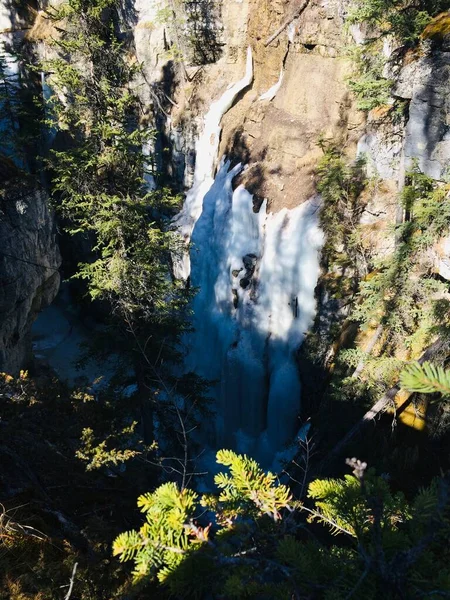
column 206, row 155
column 256, row 274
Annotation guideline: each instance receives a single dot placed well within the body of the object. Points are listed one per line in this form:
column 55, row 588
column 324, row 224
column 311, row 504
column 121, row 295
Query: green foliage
column 98, row 454
column 162, row 541
column 252, row 554
column 248, row 487
column 193, row 31
column 341, row 185
column 98, row 182
column 380, row 372
column 170, row 534
column 403, row 21
column 343, row 504
column 99, row 190
column 54, row 512
column 397, row 294
column 399, row 305
column 396, row 302
column 92, row 9
column 257, row 550
column 426, row 379
column 368, row 82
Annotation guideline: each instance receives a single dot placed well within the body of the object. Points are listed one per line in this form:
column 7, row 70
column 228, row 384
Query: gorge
column 247, row 202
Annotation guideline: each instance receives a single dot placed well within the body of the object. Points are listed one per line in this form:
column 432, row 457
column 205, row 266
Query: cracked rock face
column 29, row 277
column 425, row 83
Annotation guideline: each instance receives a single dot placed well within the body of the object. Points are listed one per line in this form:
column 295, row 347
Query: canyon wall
column 29, row 255
column 192, row 51
column 29, row 263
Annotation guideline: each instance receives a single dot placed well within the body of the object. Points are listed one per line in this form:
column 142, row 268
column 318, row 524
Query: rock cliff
column 29, row 255
column 29, row 262
column 276, row 134
column 191, row 51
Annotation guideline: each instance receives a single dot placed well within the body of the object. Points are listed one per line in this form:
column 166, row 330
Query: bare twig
column 72, row 581
column 184, row 442
column 303, row 464
column 9, row 527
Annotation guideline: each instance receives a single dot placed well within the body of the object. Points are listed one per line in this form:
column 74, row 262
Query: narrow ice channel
column 206, row 155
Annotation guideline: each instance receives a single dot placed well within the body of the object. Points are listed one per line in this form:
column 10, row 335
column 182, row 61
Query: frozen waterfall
column 256, row 273
column 206, row 154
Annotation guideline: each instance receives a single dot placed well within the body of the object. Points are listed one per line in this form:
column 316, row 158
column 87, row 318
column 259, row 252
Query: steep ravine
column 272, row 129
column 246, row 303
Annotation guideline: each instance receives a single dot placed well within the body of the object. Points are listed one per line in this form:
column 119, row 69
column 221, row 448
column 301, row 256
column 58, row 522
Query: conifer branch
column 426, row 379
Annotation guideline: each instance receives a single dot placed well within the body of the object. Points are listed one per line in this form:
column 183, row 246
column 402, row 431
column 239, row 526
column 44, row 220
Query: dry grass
column 43, row 29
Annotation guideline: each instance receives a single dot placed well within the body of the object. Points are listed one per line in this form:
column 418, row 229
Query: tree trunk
column 377, row 409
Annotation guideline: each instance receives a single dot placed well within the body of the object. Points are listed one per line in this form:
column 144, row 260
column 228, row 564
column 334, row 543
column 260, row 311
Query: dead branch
column 368, row 351
column 72, row 581
column 297, row 12
column 10, row 527
column 378, row 408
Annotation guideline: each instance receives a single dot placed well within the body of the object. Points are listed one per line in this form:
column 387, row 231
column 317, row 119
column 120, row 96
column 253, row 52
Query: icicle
column 272, row 92
column 291, row 30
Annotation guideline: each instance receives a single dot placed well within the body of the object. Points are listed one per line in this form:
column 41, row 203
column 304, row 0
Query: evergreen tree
column 403, row 22
column 426, row 379
column 257, row 547
column 99, row 189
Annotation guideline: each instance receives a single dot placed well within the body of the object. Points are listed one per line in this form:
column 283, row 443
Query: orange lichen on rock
column 43, row 28
column 380, row 112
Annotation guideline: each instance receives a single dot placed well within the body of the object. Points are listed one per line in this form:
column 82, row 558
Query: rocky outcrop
column 276, row 136
column 425, row 83
column 29, row 263
column 29, row 255
column 279, row 137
